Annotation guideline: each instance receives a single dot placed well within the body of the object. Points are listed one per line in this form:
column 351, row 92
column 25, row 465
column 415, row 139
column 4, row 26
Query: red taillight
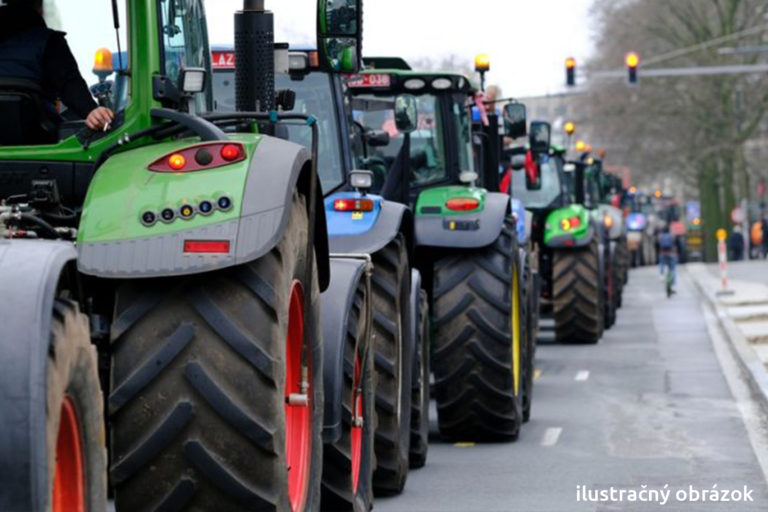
column 462, row 204
column 177, row 161
column 230, row 152
column 206, row 246
column 200, row 157
column 353, row 205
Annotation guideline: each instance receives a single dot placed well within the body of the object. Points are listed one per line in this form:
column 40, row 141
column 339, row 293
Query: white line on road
column 582, row 375
column 551, row 435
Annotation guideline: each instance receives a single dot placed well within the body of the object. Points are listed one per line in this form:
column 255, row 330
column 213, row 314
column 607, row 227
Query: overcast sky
column 528, row 40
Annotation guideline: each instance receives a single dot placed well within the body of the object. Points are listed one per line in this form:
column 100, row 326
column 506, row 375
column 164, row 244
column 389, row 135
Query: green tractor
column 568, row 237
column 162, row 283
column 466, row 245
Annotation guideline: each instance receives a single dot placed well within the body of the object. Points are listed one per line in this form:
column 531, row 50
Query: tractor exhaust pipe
column 254, row 58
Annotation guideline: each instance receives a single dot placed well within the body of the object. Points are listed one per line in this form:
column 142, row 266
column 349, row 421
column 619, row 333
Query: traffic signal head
column 482, row 63
column 633, row 61
column 569, row 128
column 570, row 71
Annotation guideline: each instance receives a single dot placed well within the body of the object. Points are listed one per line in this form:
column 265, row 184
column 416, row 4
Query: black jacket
column 60, row 78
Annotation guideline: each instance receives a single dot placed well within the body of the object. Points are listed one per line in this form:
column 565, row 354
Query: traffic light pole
column 693, row 71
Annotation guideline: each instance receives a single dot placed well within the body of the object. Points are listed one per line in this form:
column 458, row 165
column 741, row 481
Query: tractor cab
column 438, row 152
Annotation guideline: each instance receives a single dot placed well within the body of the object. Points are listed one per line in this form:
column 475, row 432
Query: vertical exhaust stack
column 254, row 58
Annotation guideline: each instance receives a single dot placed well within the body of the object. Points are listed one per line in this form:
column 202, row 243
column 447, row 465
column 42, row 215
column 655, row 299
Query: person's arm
column 61, row 70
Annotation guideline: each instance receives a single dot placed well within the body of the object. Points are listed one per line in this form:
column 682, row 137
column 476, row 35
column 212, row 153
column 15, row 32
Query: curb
column 746, row 357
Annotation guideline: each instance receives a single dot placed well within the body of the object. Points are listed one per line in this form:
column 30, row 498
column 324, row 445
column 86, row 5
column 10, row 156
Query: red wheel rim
column 298, row 416
column 69, row 479
column 356, row 435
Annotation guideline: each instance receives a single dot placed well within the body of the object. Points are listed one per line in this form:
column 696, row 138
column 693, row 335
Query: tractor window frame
column 204, row 100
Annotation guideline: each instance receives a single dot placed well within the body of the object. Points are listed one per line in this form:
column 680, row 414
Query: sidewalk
column 743, row 313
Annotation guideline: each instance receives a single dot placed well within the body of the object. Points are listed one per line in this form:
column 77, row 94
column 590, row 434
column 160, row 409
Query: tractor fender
column 277, row 169
column 472, row 230
column 30, row 272
column 335, row 305
column 415, row 300
column 393, row 218
column 568, row 241
column 618, row 225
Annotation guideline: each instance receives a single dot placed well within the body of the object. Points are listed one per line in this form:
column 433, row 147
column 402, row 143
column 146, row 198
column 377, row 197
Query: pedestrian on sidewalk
column 736, row 244
column 668, row 254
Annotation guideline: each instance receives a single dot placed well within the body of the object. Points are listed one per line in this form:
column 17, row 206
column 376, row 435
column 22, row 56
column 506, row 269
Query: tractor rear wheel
column 216, row 402
column 391, row 293
column 420, row 388
column 477, row 354
column 577, row 294
column 77, row 456
column 527, row 339
column 348, row 463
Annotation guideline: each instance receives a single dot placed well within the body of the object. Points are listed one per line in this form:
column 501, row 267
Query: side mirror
column 515, row 120
column 377, row 138
column 541, row 135
column 339, row 35
column 406, row 113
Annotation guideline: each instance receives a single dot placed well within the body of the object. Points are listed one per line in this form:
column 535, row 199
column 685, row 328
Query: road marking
column 464, row 445
column 536, row 374
column 582, row 375
column 551, row 435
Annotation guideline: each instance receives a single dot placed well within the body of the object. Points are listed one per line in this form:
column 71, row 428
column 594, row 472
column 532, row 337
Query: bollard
column 722, row 260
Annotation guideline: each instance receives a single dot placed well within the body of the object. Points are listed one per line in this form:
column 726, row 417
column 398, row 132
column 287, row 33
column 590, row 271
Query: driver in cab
column 29, row 50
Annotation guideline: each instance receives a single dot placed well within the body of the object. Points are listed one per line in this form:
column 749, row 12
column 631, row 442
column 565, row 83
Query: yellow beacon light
column 569, row 128
column 632, row 60
column 102, row 61
column 581, row 145
column 482, row 63
column 722, row 235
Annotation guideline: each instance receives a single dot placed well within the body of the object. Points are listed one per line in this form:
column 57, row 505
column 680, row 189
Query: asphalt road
column 649, row 405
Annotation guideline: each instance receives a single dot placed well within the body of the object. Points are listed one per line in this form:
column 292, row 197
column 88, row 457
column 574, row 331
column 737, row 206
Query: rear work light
column 353, row 205
column 206, row 246
column 462, row 204
column 200, row 157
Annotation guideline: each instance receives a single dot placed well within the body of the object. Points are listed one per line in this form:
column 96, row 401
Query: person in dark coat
column 736, row 244
column 31, row 51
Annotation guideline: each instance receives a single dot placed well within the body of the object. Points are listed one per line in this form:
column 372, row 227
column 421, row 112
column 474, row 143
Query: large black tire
column 609, row 287
column 528, row 339
column 577, row 294
column 478, row 398
column 198, row 401
column 339, row 493
column 72, row 378
column 391, row 293
column 420, row 388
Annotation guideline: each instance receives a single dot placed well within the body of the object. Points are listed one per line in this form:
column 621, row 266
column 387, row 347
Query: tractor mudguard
column 615, row 225
column 414, row 327
column 570, row 226
column 335, row 305
column 116, row 241
column 464, row 231
column 30, row 272
column 386, row 221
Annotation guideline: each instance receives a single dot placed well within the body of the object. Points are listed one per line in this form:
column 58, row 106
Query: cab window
column 185, row 42
column 428, row 143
